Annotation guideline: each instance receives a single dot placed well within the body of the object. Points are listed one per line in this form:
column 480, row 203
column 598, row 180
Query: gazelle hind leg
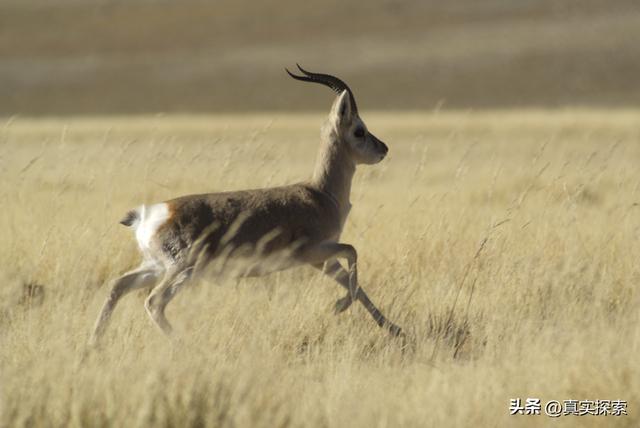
column 141, row 277
column 162, row 294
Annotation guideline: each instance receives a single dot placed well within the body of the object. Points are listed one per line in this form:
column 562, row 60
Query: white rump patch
column 151, row 218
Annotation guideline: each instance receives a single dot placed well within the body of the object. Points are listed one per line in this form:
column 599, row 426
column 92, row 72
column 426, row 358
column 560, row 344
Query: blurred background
column 64, row 57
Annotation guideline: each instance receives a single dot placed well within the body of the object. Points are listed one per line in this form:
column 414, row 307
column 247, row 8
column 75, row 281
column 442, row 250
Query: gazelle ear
column 341, row 109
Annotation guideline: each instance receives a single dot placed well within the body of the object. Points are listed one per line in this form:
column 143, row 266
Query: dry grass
column 548, row 308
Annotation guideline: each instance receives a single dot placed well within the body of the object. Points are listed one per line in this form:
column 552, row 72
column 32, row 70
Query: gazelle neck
column 334, row 169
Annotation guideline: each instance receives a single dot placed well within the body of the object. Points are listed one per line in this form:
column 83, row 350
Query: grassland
column 547, row 307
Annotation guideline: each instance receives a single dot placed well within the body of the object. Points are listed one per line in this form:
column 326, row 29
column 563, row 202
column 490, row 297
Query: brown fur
column 298, row 216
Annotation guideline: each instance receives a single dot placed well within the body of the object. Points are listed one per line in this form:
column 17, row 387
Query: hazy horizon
column 114, row 57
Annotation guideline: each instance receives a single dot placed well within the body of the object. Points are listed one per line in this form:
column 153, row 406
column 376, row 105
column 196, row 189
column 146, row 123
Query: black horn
column 328, row 80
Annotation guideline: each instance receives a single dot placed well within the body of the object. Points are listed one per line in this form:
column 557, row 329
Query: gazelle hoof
column 343, row 304
column 396, row 331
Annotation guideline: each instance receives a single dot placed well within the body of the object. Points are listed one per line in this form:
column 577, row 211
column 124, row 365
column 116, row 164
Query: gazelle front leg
column 328, row 252
column 333, row 269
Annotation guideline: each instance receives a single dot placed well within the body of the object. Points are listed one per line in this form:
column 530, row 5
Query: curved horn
column 328, row 80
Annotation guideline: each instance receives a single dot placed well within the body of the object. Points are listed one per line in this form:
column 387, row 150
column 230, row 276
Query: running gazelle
column 287, row 226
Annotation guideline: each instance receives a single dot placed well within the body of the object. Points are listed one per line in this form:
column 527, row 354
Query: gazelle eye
column 359, row 133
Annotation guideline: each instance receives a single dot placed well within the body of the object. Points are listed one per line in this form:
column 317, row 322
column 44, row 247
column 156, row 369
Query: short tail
column 131, row 218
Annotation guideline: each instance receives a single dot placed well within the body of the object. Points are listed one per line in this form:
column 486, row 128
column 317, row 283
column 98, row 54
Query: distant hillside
column 68, row 57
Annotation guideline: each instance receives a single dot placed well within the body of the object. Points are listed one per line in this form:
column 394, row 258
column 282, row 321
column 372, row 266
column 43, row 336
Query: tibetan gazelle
column 284, row 226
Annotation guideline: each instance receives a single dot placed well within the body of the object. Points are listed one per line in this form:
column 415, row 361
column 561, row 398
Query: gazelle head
column 364, row 147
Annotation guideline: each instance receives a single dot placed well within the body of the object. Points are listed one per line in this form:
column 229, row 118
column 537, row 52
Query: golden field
column 506, row 244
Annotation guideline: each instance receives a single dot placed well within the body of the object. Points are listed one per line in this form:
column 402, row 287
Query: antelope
column 299, row 223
